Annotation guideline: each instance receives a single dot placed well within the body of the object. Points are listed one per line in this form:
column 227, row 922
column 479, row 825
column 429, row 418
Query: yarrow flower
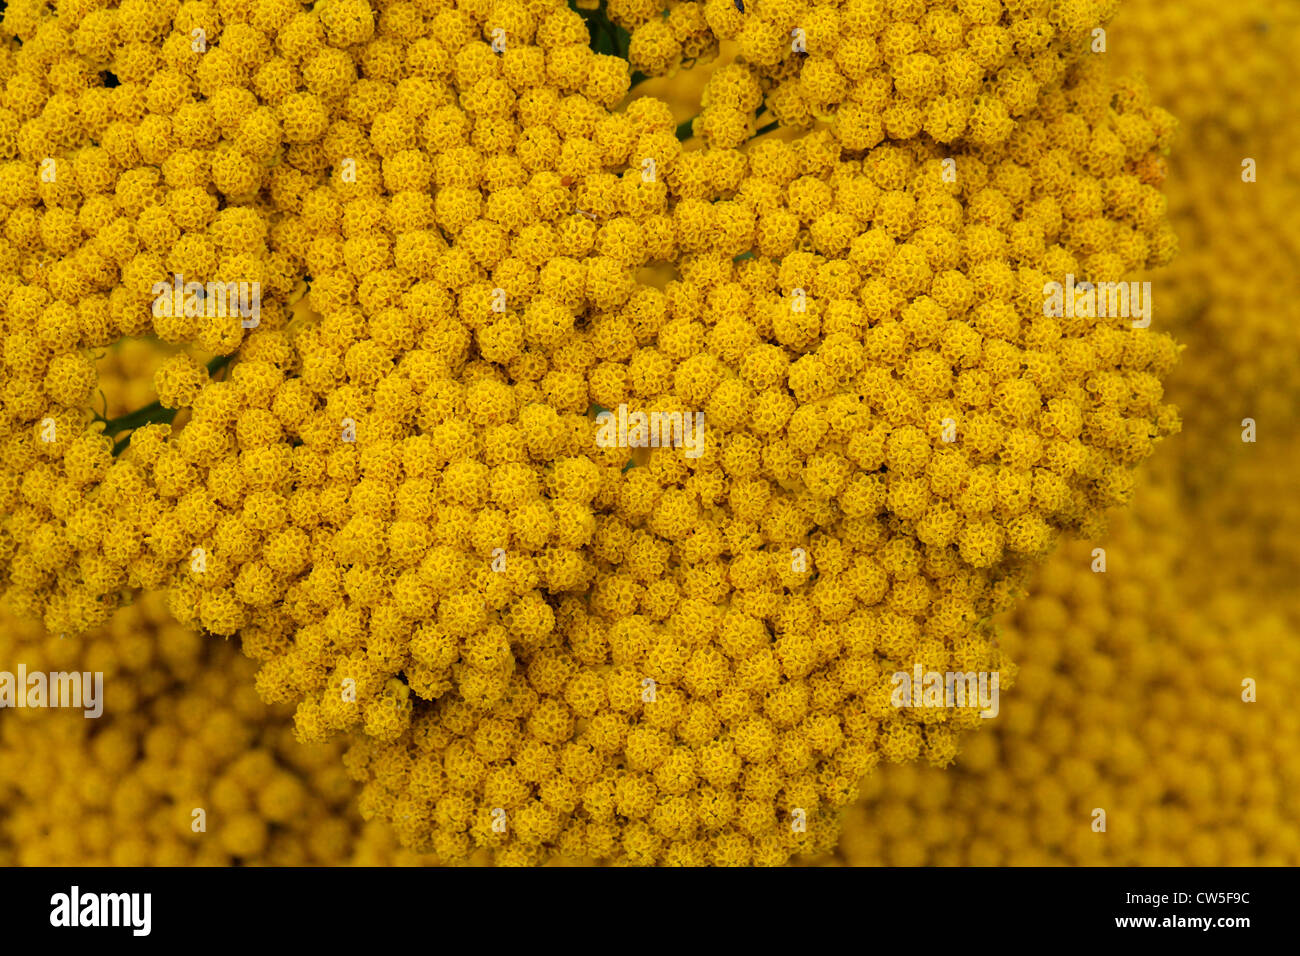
column 1153, row 690
column 468, row 240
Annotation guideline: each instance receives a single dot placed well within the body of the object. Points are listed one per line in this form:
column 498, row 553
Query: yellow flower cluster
column 829, row 423
column 396, row 497
column 114, row 134
column 873, row 70
column 179, row 731
column 1134, row 687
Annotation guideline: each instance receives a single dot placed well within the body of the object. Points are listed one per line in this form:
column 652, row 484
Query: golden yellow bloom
column 433, row 242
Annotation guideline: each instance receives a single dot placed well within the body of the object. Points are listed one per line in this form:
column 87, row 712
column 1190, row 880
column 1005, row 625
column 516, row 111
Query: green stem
column 596, row 21
column 611, row 36
column 684, row 131
column 622, row 40
column 152, row 414
column 219, row 363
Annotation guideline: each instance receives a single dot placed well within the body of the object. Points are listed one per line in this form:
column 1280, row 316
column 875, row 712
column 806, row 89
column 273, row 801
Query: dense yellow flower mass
column 873, row 70
column 181, row 730
column 1130, row 696
column 618, row 789
column 436, row 219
